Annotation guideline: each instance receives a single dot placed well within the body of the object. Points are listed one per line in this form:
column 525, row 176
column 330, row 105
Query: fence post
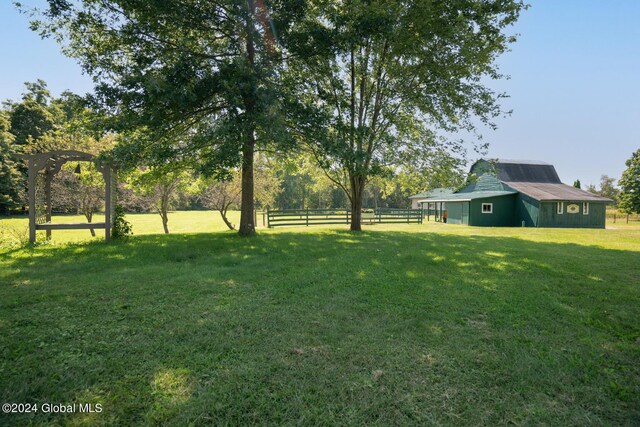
column 307, row 217
column 268, row 225
column 614, row 217
column 627, row 218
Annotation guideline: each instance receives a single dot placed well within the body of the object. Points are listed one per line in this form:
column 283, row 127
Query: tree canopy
column 375, row 79
column 363, row 85
column 10, row 176
column 630, row 185
column 197, row 81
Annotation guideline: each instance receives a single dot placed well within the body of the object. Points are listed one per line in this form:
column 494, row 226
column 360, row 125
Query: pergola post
column 32, row 200
column 48, row 177
column 107, row 203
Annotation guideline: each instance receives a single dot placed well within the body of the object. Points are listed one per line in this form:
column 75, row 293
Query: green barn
column 510, row 193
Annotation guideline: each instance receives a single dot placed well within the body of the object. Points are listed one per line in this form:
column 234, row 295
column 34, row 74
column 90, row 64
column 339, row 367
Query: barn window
column 560, row 208
column 585, row 208
column 487, row 208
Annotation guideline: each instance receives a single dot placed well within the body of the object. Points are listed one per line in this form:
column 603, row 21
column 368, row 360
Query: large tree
column 630, row 185
column 33, row 117
column 196, row 79
column 10, row 176
column 375, row 76
column 37, row 123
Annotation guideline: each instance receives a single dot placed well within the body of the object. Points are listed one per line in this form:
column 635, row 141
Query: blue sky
column 574, row 87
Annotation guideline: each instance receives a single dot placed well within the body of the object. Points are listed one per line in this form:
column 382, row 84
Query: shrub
column 121, row 227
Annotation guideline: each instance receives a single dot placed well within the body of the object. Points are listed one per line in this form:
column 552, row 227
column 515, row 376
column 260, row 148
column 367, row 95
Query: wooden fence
column 306, row 217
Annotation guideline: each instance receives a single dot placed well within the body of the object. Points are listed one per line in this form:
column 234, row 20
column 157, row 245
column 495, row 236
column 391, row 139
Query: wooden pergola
column 51, row 163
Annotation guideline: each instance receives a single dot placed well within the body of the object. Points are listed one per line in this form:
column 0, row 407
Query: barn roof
column 432, row 193
column 485, row 182
column 517, row 170
column 509, row 171
column 501, row 177
column 465, row 197
column 485, row 186
column 555, row 191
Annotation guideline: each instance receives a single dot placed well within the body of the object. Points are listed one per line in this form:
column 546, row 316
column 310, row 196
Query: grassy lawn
column 179, row 222
column 407, row 324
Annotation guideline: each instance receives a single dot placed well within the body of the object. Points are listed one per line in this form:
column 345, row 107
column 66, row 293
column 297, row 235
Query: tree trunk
column 223, row 214
column 164, row 213
column 247, row 227
column 89, row 216
column 357, row 192
column 165, row 222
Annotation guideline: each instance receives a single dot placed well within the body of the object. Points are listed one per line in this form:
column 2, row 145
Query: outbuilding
column 521, row 193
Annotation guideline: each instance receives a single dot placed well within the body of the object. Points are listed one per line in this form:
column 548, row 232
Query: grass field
column 408, row 324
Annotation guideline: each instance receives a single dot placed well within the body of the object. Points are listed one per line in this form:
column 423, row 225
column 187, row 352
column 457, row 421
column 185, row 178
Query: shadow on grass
column 324, row 327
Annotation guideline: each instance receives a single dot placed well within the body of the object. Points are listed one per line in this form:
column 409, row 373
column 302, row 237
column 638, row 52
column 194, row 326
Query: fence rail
column 306, row 217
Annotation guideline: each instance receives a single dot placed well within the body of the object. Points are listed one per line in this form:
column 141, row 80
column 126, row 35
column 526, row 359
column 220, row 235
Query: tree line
column 40, row 122
column 625, row 192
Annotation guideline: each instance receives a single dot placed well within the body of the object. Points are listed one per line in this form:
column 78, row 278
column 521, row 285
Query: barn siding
column 458, row 213
column 527, row 210
column 503, row 212
column 549, row 216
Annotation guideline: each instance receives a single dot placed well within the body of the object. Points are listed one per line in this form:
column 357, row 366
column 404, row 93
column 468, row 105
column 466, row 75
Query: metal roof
column 485, row 182
column 523, row 162
column 465, row 197
column 433, row 193
column 555, row 191
column 520, row 172
column 516, row 170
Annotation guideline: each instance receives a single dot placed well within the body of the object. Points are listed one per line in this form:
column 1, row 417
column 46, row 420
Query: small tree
column 577, row 184
column 81, row 190
column 221, row 195
column 630, row 185
column 159, row 188
column 608, row 188
column 91, row 192
column 224, row 194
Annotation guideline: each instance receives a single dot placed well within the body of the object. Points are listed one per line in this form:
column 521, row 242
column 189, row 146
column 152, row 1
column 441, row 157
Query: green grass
column 422, row 324
column 179, row 222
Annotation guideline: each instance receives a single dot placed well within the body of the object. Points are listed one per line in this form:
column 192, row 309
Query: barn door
column 465, row 213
